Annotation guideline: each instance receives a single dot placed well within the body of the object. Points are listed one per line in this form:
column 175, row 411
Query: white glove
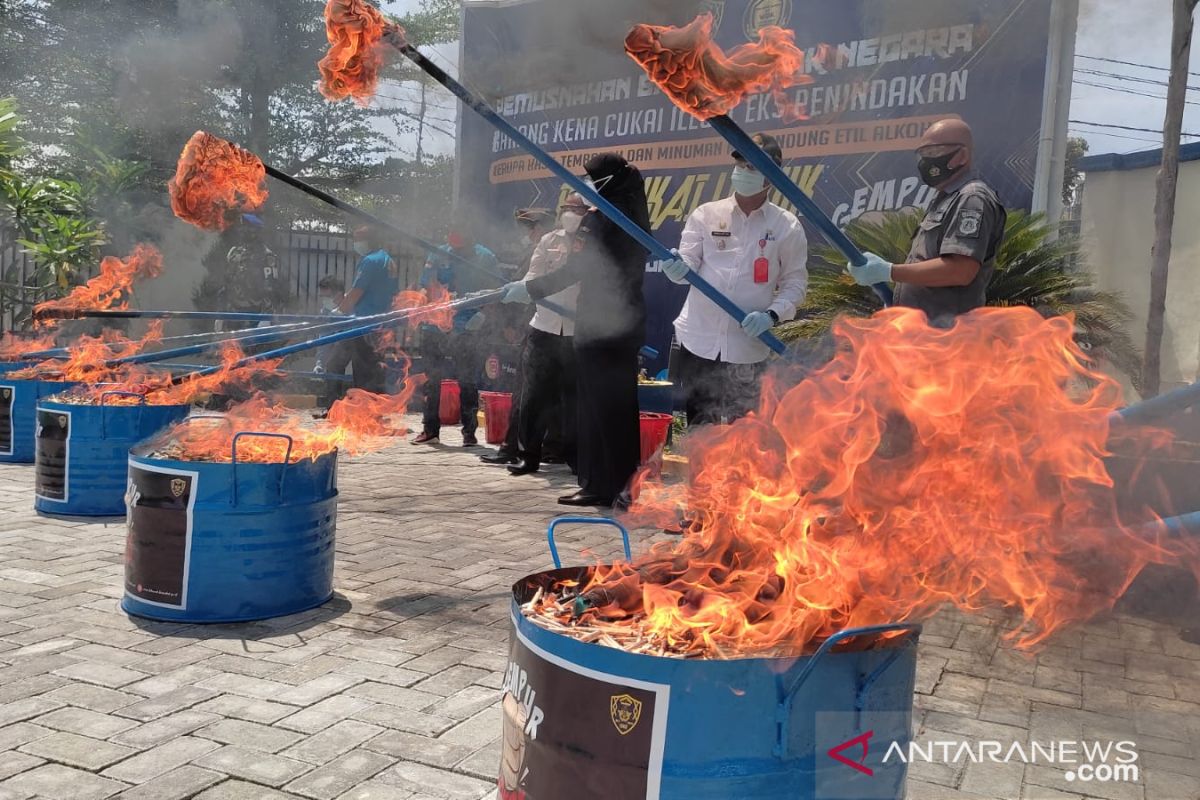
column 757, row 323
column 319, row 369
column 676, row 269
column 517, row 292
column 876, row 270
column 475, row 322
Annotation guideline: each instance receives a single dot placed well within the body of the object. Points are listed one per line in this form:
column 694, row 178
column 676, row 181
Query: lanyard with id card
column 762, row 267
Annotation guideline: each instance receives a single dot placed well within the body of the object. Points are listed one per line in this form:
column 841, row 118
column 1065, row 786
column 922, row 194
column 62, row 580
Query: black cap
column 769, row 145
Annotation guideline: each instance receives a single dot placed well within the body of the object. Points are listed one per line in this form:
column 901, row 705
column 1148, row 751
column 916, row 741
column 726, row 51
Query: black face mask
column 935, row 171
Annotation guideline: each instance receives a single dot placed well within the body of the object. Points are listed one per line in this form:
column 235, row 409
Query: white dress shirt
column 722, row 244
column 550, row 254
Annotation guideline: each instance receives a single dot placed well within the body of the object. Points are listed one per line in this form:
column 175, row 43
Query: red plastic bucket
column 450, row 406
column 655, row 428
column 496, row 408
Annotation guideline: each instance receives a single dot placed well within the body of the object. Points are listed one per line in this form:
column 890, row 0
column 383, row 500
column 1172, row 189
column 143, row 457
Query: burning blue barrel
column 18, row 416
column 228, row 542
column 82, row 449
column 588, row 721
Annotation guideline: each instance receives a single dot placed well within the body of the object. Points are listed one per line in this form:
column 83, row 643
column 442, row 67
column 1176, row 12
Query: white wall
column 1118, row 232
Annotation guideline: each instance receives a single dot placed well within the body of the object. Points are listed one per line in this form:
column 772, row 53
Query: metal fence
column 305, row 258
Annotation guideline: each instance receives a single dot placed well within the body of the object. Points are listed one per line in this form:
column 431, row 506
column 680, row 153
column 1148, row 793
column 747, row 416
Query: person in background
column 254, row 281
column 331, row 290
column 376, row 282
column 456, row 354
column 513, row 325
column 953, row 253
column 608, row 265
column 756, row 253
column 548, row 366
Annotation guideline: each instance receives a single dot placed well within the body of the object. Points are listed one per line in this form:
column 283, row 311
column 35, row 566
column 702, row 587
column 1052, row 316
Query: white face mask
column 571, row 221
column 362, row 248
column 327, row 304
column 747, row 182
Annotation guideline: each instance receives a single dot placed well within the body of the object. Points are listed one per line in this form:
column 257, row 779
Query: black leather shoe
column 524, row 468
column 499, row 458
column 582, row 498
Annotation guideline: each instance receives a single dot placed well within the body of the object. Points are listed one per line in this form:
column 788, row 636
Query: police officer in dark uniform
column 953, row 253
column 609, row 266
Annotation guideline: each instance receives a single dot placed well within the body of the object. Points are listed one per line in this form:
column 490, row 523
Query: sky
column 1134, row 31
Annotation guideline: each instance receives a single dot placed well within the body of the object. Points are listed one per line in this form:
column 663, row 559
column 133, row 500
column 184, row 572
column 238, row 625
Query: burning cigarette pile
column 920, row 467
column 215, row 182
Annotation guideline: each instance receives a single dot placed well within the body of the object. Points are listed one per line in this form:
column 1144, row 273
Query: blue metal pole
column 644, row 238
column 335, row 377
column 745, row 146
column 223, row 336
column 1163, row 405
column 227, row 316
column 474, row 301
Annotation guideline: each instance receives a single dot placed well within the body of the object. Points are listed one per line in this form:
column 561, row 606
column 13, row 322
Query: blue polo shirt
column 379, row 285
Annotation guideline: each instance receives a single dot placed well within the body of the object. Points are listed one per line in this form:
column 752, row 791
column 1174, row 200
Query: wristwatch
column 774, row 316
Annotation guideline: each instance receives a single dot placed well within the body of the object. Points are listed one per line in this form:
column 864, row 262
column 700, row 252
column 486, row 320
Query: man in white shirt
column 548, row 368
column 755, row 253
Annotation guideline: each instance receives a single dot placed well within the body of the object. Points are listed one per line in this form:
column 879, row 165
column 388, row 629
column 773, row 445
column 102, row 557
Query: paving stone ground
column 391, row 689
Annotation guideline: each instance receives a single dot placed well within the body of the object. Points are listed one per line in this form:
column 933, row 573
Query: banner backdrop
column 558, row 72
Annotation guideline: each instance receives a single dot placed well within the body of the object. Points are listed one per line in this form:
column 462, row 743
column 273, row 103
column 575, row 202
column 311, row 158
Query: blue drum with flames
column 18, row 415
column 82, row 449
column 212, row 542
column 594, row 722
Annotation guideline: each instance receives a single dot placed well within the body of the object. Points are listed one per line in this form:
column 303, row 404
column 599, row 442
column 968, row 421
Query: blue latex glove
column 876, row 270
column 676, row 269
column 757, row 323
column 476, row 322
column 516, row 292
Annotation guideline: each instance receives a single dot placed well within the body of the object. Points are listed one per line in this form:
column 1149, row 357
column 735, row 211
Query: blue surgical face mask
column 362, row 248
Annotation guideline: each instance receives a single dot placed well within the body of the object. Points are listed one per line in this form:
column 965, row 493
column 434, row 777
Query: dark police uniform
column 966, row 219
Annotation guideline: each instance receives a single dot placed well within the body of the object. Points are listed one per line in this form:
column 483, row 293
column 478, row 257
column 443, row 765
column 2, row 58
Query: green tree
column 1032, row 269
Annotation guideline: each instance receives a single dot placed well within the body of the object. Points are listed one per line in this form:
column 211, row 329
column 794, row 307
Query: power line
column 1130, row 64
column 1131, row 78
column 1116, row 136
column 1125, row 128
column 1124, row 90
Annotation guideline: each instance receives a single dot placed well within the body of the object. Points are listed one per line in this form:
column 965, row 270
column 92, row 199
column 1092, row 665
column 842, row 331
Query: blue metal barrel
column 589, row 721
column 82, row 451
column 18, row 416
column 231, row 542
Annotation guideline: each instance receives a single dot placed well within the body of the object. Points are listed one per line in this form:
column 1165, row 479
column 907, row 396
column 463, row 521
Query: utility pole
column 1168, row 183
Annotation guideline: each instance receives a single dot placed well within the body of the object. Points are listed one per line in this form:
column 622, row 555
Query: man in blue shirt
column 456, row 354
column 376, row 282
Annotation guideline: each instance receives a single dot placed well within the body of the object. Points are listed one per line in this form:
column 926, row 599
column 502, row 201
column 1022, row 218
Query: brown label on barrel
column 158, row 534
column 8, row 395
column 573, row 732
column 53, row 449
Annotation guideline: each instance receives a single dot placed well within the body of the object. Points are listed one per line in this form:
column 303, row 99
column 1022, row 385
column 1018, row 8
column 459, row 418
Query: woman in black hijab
column 610, row 327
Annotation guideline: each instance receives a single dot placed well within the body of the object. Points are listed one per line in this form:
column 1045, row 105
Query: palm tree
column 1032, row 269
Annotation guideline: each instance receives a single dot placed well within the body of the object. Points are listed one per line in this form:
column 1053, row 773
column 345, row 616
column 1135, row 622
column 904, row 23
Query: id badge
column 762, row 270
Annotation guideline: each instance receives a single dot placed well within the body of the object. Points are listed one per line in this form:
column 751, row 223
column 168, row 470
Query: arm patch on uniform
column 968, row 223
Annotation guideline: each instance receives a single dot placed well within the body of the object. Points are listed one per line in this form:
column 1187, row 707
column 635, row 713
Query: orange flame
column 921, row 466
column 215, row 181
column 112, row 288
column 706, row 82
column 13, row 347
column 361, row 422
column 355, row 30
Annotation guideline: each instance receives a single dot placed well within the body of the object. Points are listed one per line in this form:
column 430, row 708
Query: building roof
column 1109, row 162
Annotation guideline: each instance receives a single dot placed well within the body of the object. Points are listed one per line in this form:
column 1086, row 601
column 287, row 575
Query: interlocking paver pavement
column 389, row 690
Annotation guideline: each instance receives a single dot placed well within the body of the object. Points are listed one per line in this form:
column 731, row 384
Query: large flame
column 919, row 467
column 355, row 30
column 361, row 422
column 215, row 181
column 14, row 346
column 111, row 289
column 706, row 82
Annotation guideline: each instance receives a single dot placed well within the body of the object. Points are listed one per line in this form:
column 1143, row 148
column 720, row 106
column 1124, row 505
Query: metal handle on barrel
column 784, row 711
column 585, row 521
column 104, row 408
column 287, row 458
